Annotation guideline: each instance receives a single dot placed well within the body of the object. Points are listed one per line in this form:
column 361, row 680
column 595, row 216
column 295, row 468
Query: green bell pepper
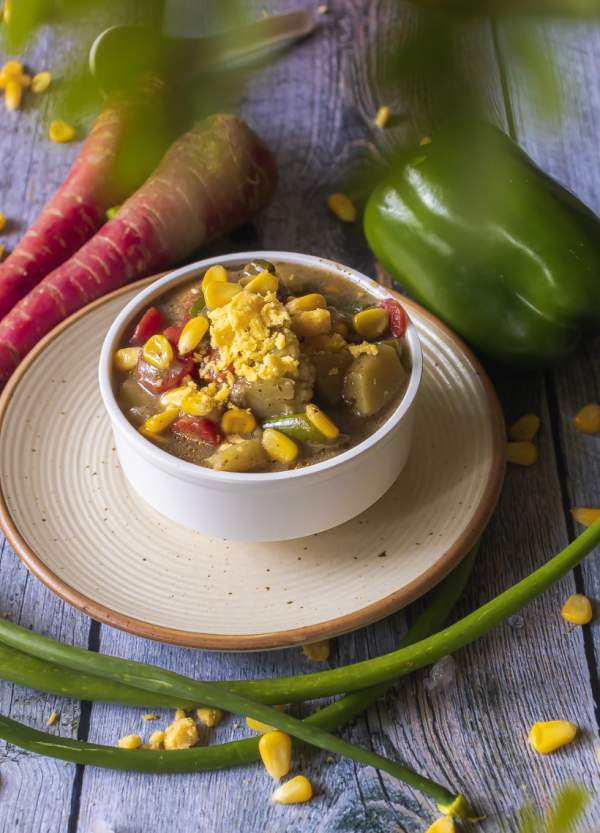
column 488, row 242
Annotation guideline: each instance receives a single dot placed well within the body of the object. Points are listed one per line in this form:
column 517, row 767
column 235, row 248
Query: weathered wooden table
column 315, row 108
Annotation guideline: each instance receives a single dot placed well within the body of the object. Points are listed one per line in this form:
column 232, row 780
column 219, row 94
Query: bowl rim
column 192, row 472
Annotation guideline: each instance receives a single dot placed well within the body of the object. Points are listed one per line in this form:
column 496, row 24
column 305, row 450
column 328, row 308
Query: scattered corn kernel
column 549, row 736
column 150, row 716
column 585, row 515
column 2, row 221
column 60, row 132
column 209, row 717
column 126, row 358
column 158, row 423
column 425, row 140
column 295, row 791
column 40, row 82
column 238, row 421
column 317, row 651
column 445, row 824
column 525, row 428
column 173, row 398
column 192, row 334
column 383, row 116
column 322, row 423
column 13, row 93
column 280, row 448
column 371, row 323
column 214, row 274
column 158, row 352
column 275, row 750
column 12, row 69
column 259, row 726
column 53, row 718
column 181, row 734
column 217, row 293
column 588, row 419
column 521, row 453
column 156, row 740
column 306, row 303
column 343, row 207
column 577, row 610
column 129, row 742
column 112, row 212
column 312, row 323
column 263, row 283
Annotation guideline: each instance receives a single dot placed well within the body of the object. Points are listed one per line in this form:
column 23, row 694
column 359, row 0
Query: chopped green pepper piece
column 297, row 426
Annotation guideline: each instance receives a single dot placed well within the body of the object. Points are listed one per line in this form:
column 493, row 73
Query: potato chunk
column 372, row 380
column 247, row 455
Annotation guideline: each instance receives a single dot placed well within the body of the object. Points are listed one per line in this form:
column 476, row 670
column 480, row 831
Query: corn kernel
column 275, row 750
column 173, row 398
column 585, row 515
column 60, row 132
column 306, row 303
column 371, row 323
column 322, row 423
column 549, row 736
column 158, row 352
column 150, row 716
column 343, row 207
column 588, row 419
column 217, row 294
column 129, row 742
column 214, row 274
column 330, row 343
column 126, row 358
column 192, row 334
column 13, row 94
column 383, row 116
column 425, row 140
column 263, row 283
column 521, row 453
column 209, row 717
column 181, row 734
column 180, row 714
column 577, row 610
column 445, row 824
column 158, row 423
column 156, row 740
column 238, row 421
column 525, row 428
column 53, row 718
column 295, row 791
column 317, row 651
column 2, row 221
column 259, row 726
column 112, row 212
column 40, row 82
column 12, row 69
column 280, row 448
column 312, row 323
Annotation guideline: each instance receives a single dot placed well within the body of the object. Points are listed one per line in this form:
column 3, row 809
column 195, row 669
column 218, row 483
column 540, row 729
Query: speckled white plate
column 66, row 509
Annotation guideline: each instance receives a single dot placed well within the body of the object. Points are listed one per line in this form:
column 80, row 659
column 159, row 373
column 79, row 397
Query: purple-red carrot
column 211, row 180
column 96, row 182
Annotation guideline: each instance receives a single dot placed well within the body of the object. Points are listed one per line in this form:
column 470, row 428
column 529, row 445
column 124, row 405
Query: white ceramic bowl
column 268, row 506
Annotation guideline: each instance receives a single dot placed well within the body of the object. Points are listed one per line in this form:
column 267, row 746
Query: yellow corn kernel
column 158, row 352
column 306, row 303
column 53, row 718
column 112, row 212
column 238, row 421
column 158, row 423
column 371, row 323
column 585, row 515
column 209, row 717
column 549, row 736
column 577, row 610
column 129, row 742
column 588, row 419
column 214, row 274
column 13, row 94
column 156, row 740
column 383, row 116
column 40, row 82
column 275, row 750
column 263, row 283
column 173, row 398
column 192, row 334
column 150, row 716
column 445, row 824
column 295, row 791
column 217, row 294
column 330, row 343
column 2, row 221
column 525, row 428
column 317, row 651
column 314, row 322
column 280, row 448
column 12, row 69
column 343, row 207
column 60, row 132
column 521, row 453
column 259, row 726
column 181, row 734
column 126, row 358
column 322, row 423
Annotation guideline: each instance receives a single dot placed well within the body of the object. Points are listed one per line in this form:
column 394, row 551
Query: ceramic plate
column 66, row 509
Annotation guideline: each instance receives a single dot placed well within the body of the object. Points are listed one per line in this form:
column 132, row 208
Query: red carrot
column 212, row 179
column 95, row 182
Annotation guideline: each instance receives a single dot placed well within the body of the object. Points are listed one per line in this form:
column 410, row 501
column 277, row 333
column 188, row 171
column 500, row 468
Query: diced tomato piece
column 172, row 333
column 398, row 319
column 198, row 428
column 155, row 380
column 147, row 326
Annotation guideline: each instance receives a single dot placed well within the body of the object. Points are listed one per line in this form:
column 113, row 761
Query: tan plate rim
column 277, row 639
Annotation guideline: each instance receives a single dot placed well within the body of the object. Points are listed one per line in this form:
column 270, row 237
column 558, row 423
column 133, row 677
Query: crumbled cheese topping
column 363, row 347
